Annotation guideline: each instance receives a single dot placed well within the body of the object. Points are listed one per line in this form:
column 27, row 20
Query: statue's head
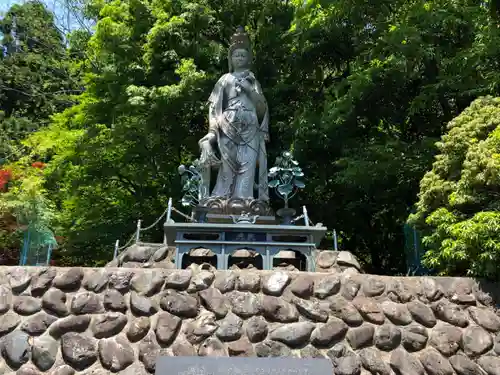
column 240, row 51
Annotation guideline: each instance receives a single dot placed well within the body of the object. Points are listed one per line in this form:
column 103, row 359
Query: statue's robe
column 240, row 138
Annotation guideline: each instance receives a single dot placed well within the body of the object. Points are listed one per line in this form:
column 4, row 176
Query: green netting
column 38, row 244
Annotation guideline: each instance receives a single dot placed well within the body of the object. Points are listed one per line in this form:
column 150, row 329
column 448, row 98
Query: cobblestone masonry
column 100, row 321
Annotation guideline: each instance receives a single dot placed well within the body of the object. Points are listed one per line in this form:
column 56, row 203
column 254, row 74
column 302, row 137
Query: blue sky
column 56, row 6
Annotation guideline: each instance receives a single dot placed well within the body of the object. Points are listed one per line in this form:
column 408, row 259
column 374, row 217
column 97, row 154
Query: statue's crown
column 240, row 39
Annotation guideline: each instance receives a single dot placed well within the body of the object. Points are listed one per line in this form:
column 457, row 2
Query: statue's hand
column 246, row 86
column 210, row 137
column 207, row 151
column 266, row 136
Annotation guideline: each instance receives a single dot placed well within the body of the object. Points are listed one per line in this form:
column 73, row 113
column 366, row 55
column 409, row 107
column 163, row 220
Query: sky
column 57, row 6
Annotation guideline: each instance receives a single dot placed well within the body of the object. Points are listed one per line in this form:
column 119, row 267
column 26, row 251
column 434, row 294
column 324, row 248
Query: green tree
column 360, row 90
column 37, row 80
column 394, row 74
column 458, row 208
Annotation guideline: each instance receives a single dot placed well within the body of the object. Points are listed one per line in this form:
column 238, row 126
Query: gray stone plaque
column 242, row 366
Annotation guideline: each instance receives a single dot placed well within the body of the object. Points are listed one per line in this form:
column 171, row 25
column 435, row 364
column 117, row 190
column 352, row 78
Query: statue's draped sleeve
column 216, row 102
column 264, row 125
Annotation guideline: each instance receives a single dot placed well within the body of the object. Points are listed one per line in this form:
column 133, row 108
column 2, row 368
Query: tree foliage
column 458, row 202
column 360, row 91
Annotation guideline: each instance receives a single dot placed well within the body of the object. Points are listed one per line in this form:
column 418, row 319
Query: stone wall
column 97, row 321
column 156, row 255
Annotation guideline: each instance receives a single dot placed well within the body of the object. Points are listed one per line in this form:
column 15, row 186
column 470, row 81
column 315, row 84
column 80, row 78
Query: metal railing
column 135, row 238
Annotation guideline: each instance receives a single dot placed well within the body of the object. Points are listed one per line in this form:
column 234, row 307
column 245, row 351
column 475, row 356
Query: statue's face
column 240, row 58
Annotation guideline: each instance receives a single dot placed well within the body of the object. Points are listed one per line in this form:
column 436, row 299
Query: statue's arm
column 259, row 100
column 212, row 120
column 216, row 99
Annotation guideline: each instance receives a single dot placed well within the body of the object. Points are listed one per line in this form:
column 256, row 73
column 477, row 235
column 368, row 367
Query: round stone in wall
column 230, row 328
column 248, row 282
column 96, row 281
column 485, row 318
column 141, row 305
column 54, row 301
column 114, row 301
column 107, row 325
column 387, row 337
column 446, row 338
column 293, row 334
column 86, row 303
column 42, row 280
column 396, row 312
column 434, row 363
column 120, row 280
column 244, row 304
column 28, row 369
column 360, row 337
column 272, row 349
column 225, row 282
column 8, row 322
column 16, row 348
column 302, row 286
column 278, row 310
column 373, row 287
column 371, row 360
column 212, row 347
column 167, row 327
column 491, row 364
column 5, row 299
column 74, row 323
column 406, row 363
column 201, row 280
column 27, row 305
column 476, row 341
column 44, row 352
column 62, row 370
column 19, row 279
column 326, row 258
column 276, row 283
column 349, row 364
column 310, row 352
column 178, row 280
column 69, row 280
column 369, row 309
column 138, row 328
column 414, row 337
column 311, row 309
column 327, row 286
column 422, row 313
column 451, row 313
column 182, row 305
column 465, row 366
column 256, row 329
column 346, row 258
column 325, row 334
column 215, row 301
column 37, row 324
column 78, row 350
column 115, row 353
column 199, row 329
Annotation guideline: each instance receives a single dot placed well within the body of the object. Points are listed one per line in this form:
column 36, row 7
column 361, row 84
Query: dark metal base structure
column 225, row 238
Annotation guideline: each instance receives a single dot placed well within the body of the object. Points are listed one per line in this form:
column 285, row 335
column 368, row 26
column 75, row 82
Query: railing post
column 335, row 240
column 117, row 244
column 306, row 217
column 137, row 234
column 169, row 210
